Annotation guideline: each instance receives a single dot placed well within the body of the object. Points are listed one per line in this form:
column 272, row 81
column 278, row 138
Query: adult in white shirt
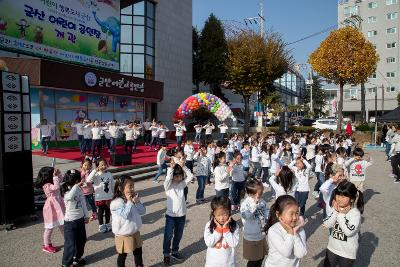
column 87, row 137
column 132, row 133
column 147, row 132
column 113, row 129
column 209, row 127
column 198, row 127
column 222, row 128
column 45, row 131
column 97, row 131
column 162, row 134
column 79, row 130
column 180, row 129
column 154, row 135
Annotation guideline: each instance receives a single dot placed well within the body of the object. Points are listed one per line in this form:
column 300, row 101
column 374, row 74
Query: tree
column 344, row 57
column 319, row 96
column 195, row 60
column 254, row 63
column 398, row 99
column 213, row 54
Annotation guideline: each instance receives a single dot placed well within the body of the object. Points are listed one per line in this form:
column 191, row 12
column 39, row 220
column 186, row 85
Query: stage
column 142, row 155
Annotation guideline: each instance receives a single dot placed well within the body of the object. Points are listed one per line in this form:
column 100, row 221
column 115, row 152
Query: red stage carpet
column 142, row 155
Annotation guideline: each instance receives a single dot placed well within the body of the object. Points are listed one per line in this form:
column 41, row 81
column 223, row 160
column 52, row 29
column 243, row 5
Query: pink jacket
column 87, row 187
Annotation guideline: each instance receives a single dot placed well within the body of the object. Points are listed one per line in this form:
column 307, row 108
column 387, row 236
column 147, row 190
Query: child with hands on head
column 286, row 236
column 345, row 220
column 49, row 180
column 103, row 184
column 126, row 210
column 283, row 182
column 76, row 215
column 177, row 178
column 254, row 212
column 221, row 234
column 334, row 174
column 301, row 169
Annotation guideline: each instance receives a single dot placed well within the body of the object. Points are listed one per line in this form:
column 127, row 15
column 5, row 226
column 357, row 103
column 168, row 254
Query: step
column 138, row 171
column 131, row 167
column 144, row 176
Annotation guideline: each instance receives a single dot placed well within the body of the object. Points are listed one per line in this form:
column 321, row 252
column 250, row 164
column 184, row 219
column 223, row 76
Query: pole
column 262, row 30
column 376, row 115
column 311, row 93
column 383, row 99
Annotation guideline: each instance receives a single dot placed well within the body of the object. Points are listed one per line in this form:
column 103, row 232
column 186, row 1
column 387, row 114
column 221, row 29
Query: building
column 155, row 73
column 380, row 25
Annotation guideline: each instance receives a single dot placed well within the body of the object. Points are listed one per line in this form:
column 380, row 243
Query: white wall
column 173, row 54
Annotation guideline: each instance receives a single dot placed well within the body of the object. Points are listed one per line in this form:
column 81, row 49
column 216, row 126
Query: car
column 324, row 124
column 306, row 122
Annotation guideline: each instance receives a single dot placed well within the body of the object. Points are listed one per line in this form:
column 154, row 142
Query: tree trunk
column 363, row 102
column 340, row 109
column 246, row 99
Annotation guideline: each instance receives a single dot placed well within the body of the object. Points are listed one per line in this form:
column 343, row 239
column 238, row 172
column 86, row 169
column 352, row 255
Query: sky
column 293, row 19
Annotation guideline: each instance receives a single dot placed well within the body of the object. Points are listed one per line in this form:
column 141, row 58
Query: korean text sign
column 82, row 31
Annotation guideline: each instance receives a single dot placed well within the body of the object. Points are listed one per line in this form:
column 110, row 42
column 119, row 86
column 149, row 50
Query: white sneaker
column 103, row 228
column 108, row 227
column 266, row 185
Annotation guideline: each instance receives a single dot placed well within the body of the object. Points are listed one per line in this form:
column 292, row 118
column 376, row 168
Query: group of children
column 241, row 168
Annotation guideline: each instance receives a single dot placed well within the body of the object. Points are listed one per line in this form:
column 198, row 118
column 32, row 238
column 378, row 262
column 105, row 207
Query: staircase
column 137, row 172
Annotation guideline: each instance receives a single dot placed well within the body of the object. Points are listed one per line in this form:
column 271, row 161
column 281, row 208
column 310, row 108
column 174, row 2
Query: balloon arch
column 209, row 101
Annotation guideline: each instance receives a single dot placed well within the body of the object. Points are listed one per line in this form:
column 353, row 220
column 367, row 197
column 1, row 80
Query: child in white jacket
column 221, row 175
column 254, row 213
column 174, row 185
column 127, row 210
column 221, row 235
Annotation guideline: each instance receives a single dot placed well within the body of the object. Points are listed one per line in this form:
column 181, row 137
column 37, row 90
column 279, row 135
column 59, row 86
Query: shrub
column 364, row 127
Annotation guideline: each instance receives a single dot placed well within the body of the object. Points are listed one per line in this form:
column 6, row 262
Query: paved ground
column 379, row 245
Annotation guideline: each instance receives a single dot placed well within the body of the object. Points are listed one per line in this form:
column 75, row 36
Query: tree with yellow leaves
column 345, row 57
column 254, row 63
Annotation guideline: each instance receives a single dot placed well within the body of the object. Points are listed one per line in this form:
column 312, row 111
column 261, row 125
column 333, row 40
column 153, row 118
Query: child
column 202, row 171
column 221, row 235
column 221, row 175
column 319, row 163
column 154, row 135
column 76, row 215
column 162, row 134
column 161, row 155
column 54, row 208
column 349, row 144
column 340, row 156
column 103, row 184
column 126, row 210
column 283, row 182
column 301, row 169
column 286, row 236
column 357, row 167
column 223, row 128
column 209, row 127
column 255, row 160
column 46, row 130
column 96, row 137
column 348, row 205
column 175, row 215
column 245, row 157
column 254, row 213
column 238, row 179
column 180, row 129
column 87, row 137
column 265, row 164
column 87, row 187
column 334, row 175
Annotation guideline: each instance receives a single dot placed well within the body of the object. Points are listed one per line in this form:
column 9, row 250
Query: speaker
column 16, row 201
column 120, row 159
column 16, row 174
column 15, row 169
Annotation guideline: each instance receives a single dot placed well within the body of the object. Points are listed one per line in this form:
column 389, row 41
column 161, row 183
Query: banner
column 86, row 32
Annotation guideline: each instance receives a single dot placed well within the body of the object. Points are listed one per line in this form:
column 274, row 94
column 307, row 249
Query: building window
column 372, row 33
column 391, row 30
column 392, row 15
column 137, row 39
column 391, row 2
column 350, row 11
column 373, row 5
column 390, row 89
column 371, row 19
column 372, row 76
column 374, row 45
column 351, row 94
column 372, row 90
column 391, row 60
column 391, row 74
column 391, row 45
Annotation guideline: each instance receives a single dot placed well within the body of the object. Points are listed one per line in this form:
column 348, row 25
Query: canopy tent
column 392, row 116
